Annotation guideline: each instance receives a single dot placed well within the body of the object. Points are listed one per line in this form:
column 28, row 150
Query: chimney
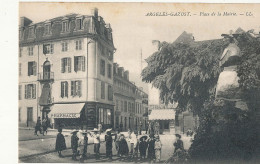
column 24, row 21
column 121, row 71
column 126, row 75
column 94, row 12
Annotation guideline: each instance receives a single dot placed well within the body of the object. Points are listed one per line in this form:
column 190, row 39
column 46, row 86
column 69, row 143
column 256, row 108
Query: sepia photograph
column 138, row 82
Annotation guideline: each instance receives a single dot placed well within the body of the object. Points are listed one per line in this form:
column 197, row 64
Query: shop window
column 64, row 89
column 78, row 45
column 101, row 115
column 48, row 48
column 30, row 91
column 79, row 63
column 166, row 124
column 32, row 68
column 65, row 65
column 108, row 116
column 102, row 90
column 76, row 88
column 102, row 67
column 64, row 46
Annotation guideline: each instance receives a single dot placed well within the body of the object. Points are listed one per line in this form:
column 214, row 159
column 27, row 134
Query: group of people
column 42, row 126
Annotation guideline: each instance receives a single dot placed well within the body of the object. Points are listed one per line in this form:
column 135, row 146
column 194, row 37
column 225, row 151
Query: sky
column 133, row 31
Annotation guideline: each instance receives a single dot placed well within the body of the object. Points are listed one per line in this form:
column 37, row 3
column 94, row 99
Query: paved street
column 42, row 150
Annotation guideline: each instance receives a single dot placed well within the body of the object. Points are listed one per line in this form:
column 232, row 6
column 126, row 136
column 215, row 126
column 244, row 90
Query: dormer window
column 31, row 32
column 79, row 24
column 65, row 26
column 47, row 29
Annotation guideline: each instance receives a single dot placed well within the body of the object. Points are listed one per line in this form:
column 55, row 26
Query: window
column 110, row 92
column 125, row 106
column 78, row 45
column 102, row 90
column 48, row 49
column 20, row 114
column 109, row 71
column 31, row 32
column 20, row 92
column 30, row 51
column 65, row 65
column 64, row 89
column 64, row 46
column 101, row 115
column 102, row 67
column 108, row 116
column 129, row 107
column 79, row 63
column 47, row 29
column 31, row 68
column 20, row 69
column 20, row 51
column 79, row 24
column 76, row 88
column 30, row 91
column 65, row 26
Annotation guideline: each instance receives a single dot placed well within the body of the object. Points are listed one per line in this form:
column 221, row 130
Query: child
column 143, row 147
column 109, row 140
column 85, row 146
column 60, row 143
column 74, row 144
column 157, row 147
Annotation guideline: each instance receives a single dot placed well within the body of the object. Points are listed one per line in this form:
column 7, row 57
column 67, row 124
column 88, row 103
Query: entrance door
column 46, row 70
column 29, row 116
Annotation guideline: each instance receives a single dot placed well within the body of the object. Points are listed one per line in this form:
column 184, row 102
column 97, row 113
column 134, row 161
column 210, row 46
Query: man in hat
column 38, row 126
column 109, row 140
column 84, row 145
column 178, row 144
column 96, row 137
column 74, row 144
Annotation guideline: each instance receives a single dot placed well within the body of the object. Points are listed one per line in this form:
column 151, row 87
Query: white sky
column 133, row 31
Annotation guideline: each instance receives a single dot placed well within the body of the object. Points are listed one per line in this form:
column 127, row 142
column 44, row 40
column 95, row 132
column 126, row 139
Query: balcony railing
column 49, row 101
column 45, row 76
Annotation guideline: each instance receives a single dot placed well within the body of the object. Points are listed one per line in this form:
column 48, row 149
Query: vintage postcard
column 138, row 82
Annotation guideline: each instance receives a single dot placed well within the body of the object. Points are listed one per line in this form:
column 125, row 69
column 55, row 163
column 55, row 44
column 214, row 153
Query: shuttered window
column 64, row 46
column 65, row 65
column 79, row 63
column 30, row 51
column 32, row 68
column 48, row 48
column 76, row 87
column 78, row 45
column 64, row 89
column 30, row 91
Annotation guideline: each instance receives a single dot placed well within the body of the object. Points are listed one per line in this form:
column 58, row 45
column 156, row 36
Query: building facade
column 130, row 101
column 66, row 71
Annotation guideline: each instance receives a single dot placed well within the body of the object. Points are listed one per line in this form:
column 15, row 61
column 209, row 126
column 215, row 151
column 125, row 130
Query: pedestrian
column 156, row 128
column 117, row 140
column 140, row 127
column 100, row 128
column 132, row 141
column 123, row 147
column 60, row 142
column 96, row 137
column 74, row 144
column 178, row 144
column 143, row 147
column 109, row 140
column 84, row 146
column 38, row 126
column 151, row 151
column 158, row 148
column 136, row 145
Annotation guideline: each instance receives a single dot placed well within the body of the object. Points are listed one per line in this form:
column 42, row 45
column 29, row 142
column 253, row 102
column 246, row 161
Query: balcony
column 46, row 76
column 47, row 101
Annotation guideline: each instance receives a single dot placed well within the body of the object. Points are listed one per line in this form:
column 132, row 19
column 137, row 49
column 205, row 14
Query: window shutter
column 25, row 92
column 62, row 89
column 72, row 88
column 83, row 63
column 34, row 91
column 66, row 89
column 79, row 88
column 62, row 66
column 29, row 72
column 69, row 65
column 75, row 64
column 34, row 68
column 80, row 45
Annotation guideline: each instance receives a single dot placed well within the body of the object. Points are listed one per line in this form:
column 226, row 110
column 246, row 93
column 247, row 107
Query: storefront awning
column 66, row 110
column 162, row 114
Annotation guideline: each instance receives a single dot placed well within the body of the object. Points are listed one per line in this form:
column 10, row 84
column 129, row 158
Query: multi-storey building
column 128, row 99
column 65, row 71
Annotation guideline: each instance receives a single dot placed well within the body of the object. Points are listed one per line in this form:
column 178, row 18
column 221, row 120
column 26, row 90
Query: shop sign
column 65, row 115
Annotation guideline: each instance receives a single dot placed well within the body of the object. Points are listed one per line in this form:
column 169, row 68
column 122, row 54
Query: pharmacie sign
column 65, row 115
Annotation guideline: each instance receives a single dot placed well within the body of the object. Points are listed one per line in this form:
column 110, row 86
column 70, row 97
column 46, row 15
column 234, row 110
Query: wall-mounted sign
column 65, row 115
